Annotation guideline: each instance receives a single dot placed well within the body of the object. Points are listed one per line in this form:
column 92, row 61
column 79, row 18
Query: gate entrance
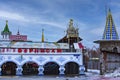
column 30, row 68
column 51, row 68
column 9, row 68
column 71, row 68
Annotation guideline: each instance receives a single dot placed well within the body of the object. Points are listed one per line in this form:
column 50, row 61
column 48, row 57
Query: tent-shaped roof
column 110, row 32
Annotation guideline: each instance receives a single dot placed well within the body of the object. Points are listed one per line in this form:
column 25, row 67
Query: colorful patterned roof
column 110, row 32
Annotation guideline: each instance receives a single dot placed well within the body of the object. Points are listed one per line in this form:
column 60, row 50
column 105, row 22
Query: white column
column 19, row 70
column 61, row 69
column 40, row 69
column 81, row 70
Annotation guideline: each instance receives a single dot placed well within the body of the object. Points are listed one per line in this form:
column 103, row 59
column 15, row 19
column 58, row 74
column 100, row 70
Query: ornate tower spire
column 42, row 35
column 6, row 32
column 71, row 23
column 72, row 31
column 110, row 32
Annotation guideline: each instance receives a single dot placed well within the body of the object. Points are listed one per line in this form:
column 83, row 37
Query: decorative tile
column 41, row 59
column 71, row 58
column 76, row 55
column 61, row 59
column 51, row 58
column 9, row 57
column 20, row 58
column 1, row 58
column 30, row 58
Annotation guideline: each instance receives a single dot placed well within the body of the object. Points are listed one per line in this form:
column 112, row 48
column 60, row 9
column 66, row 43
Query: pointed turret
column 110, row 32
column 42, row 35
column 6, row 32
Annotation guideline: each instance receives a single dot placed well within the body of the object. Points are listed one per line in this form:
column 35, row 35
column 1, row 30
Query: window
column 115, row 50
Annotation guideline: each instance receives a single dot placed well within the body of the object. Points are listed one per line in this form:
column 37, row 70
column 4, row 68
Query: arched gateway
column 30, row 68
column 8, row 68
column 71, row 68
column 39, row 61
column 51, row 68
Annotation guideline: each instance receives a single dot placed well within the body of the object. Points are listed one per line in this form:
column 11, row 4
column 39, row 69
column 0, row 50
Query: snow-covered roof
column 51, row 45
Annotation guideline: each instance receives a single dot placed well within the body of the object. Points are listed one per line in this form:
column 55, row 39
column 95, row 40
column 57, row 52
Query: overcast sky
column 30, row 16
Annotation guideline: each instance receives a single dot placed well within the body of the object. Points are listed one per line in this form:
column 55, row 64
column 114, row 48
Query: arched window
column 115, row 49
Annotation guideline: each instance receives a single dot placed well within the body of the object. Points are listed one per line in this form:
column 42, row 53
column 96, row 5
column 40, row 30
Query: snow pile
column 116, row 73
column 91, row 72
column 94, row 71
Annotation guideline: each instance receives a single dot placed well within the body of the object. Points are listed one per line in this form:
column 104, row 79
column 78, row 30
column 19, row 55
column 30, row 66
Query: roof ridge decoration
column 110, row 32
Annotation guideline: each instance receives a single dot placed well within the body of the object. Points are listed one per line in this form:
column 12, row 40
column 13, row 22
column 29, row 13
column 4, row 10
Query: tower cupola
column 6, row 32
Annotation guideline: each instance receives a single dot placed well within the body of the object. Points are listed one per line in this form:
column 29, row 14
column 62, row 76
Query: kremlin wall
column 18, row 56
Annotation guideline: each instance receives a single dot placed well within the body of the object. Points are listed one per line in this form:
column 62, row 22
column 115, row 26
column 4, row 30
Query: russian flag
column 80, row 45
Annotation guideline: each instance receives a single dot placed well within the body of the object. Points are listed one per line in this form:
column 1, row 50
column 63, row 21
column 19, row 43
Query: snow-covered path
column 93, row 77
column 90, row 75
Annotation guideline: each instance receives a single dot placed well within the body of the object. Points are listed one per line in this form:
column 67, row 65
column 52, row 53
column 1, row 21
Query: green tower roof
column 6, row 29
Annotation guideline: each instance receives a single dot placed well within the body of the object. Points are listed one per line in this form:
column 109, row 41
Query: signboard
column 29, row 50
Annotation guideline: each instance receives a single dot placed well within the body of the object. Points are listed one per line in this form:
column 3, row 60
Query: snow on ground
column 95, row 75
column 116, row 73
column 90, row 75
column 93, row 71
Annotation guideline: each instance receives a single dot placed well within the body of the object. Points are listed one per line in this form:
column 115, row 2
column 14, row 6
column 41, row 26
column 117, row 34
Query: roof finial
column 6, row 21
column 109, row 10
column 71, row 23
column 18, row 33
column 42, row 35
